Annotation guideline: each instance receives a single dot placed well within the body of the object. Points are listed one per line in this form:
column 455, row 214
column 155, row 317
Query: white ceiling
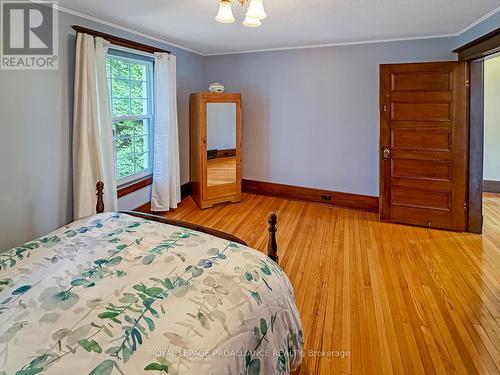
column 290, row 23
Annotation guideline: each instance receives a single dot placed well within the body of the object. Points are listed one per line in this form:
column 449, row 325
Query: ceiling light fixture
column 225, row 14
column 251, row 22
column 255, row 12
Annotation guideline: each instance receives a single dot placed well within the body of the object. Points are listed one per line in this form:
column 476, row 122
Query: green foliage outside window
column 129, row 90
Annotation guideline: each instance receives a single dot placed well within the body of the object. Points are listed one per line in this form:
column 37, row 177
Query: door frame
column 474, row 54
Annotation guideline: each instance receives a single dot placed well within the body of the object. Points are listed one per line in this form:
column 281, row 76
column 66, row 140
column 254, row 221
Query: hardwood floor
column 399, row 299
column 221, row 171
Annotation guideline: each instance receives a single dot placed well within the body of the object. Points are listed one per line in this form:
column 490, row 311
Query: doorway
column 491, row 165
column 481, row 56
column 485, row 134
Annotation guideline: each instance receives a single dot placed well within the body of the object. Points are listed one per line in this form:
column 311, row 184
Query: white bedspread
column 113, row 294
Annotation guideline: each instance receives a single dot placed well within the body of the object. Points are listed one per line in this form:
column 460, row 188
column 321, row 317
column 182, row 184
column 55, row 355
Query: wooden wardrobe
column 215, row 121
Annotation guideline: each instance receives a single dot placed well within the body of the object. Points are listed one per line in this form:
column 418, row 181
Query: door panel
column 414, row 81
column 423, row 141
column 417, row 216
column 416, row 139
column 415, row 111
column 420, row 199
column 421, row 169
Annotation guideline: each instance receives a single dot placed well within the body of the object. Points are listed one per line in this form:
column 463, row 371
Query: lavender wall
column 35, row 137
column 490, row 24
column 310, row 119
column 311, row 115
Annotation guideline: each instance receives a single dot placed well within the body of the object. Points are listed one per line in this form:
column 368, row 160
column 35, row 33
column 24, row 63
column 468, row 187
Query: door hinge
column 385, row 108
column 467, row 83
column 466, row 206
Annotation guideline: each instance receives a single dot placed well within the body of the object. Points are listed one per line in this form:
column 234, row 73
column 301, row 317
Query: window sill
column 134, row 186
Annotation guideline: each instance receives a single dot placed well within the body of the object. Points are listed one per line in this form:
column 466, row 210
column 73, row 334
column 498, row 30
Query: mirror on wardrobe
column 221, row 143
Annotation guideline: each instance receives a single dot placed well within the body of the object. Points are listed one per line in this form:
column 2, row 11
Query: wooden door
column 423, row 144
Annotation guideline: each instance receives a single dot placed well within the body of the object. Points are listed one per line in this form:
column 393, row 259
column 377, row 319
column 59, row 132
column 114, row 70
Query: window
column 130, row 79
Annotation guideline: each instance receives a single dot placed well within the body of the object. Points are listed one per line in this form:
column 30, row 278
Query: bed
column 130, row 293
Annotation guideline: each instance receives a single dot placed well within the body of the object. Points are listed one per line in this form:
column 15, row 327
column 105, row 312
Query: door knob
column 386, row 153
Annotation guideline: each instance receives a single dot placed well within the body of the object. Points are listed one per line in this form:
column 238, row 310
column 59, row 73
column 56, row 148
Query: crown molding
column 450, row 35
column 325, row 45
column 478, row 21
column 123, row 28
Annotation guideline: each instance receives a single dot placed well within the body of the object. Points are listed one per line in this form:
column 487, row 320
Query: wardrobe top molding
column 218, row 95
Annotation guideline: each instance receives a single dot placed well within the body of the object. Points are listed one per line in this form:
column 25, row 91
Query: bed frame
column 272, row 247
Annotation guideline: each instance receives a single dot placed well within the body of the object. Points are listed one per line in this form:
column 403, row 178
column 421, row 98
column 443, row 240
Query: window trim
column 134, row 186
column 127, row 184
column 119, row 41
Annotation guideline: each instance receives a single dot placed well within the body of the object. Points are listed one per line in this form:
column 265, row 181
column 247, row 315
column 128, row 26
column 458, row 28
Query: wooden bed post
column 99, row 208
column 272, row 246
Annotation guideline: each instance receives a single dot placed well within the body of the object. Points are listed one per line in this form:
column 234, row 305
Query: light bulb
column 225, row 14
column 252, row 22
column 256, row 10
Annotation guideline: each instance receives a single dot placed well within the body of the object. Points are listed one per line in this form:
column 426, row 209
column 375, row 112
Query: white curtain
column 93, row 155
column 166, row 191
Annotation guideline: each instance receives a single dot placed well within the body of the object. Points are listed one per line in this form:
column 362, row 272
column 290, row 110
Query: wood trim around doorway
column 484, row 46
column 474, row 53
column 476, row 146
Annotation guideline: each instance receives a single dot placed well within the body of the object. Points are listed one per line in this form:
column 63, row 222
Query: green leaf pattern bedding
column 114, row 294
